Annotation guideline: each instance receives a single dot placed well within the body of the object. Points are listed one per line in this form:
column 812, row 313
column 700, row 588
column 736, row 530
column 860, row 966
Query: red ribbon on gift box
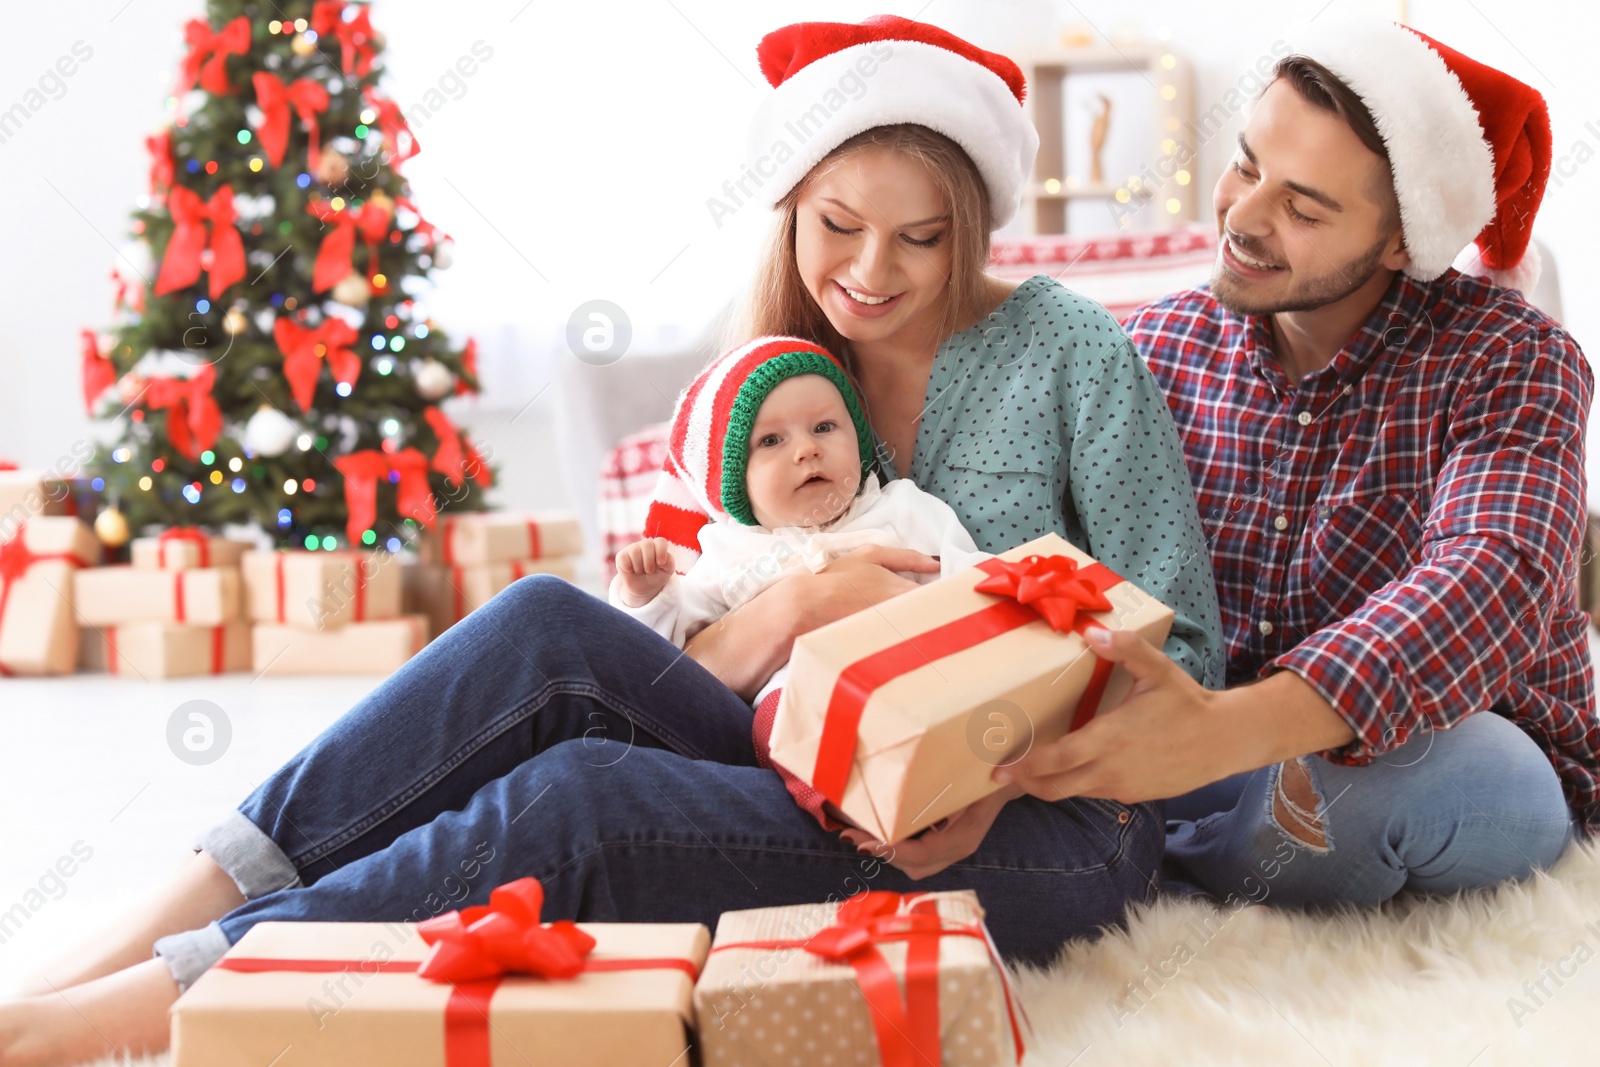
column 188, row 534
column 907, row 1028
column 206, row 63
column 181, row 266
column 474, row 950
column 458, row 596
column 359, row 594
column 1054, row 589
column 308, row 99
column 16, row 558
column 219, row 637
column 535, row 543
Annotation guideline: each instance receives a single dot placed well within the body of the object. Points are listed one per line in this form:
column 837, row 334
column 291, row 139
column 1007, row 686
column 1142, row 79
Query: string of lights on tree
column 273, row 360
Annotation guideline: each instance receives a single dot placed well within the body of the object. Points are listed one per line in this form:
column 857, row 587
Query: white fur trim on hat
column 831, row 100
column 1443, row 168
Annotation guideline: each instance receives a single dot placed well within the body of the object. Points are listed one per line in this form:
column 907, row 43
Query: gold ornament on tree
column 333, row 168
column 235, row 322
column 352, row 290
column 302, row 45
column 111, row 526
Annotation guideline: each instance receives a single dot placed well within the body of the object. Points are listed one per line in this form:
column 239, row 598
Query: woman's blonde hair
column 778, row 301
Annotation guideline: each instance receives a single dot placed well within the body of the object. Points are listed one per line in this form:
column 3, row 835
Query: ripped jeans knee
column 1297, row 809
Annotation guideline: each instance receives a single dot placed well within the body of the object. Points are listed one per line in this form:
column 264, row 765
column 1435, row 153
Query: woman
column 551, row 736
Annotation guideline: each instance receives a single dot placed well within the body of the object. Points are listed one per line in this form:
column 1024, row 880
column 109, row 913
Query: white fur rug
column 1506, row 977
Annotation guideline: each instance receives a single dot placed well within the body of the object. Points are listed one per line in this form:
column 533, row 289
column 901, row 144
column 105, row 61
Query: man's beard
column 1316, row 293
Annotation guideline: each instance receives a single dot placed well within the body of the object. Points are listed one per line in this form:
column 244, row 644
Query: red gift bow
column 305, row 348
column 308, row 98
column 469, row 364
column 907, row 1029
column 455, row 458
column 160, row 148
column 1060, row 589
column 208, row 55
column 98, row 373
column 355, row 36
column 15, row 560
column 193, row 417
column 393, row 124
column 183, row 533
column 180, row 267
column 361, row 472
column 333, row 258
column 514, row 933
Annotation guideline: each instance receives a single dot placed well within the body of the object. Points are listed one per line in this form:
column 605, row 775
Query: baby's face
column 805, row 464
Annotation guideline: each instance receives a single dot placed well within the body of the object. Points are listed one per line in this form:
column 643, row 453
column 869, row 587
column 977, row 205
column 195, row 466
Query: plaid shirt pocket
column 1358, row 545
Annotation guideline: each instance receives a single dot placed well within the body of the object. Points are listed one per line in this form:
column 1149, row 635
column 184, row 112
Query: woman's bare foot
column 200, row 893
column 122, row 1014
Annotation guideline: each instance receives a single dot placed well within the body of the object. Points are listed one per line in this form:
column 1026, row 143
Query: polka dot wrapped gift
column 898, row 980
column 898, row 715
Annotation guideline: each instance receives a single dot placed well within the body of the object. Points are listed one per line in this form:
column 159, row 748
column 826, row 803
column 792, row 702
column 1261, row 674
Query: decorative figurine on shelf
column 1097, row 140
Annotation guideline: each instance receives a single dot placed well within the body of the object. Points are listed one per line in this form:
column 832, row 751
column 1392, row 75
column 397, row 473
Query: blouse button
column 1305, row 418
column 1266, row 627
column 1281, row 523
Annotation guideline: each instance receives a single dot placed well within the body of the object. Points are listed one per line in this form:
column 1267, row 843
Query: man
column 1388, row 457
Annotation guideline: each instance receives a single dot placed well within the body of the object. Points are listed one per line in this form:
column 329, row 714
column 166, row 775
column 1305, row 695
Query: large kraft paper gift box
column 38, row 571
column 316, row 590
column 25, row 494
column 124, row 593
column 152, row 650
column 449, row 593
column 899, row 714
column 881, row 978
column 496, row 536
column 380, row 647
column 185, row 548
column 343, row 994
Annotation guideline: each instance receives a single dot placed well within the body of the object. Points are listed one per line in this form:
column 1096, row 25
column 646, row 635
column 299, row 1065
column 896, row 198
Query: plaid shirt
column 1400, row 528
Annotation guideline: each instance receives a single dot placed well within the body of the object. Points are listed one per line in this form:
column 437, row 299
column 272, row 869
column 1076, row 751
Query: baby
column 772, row 442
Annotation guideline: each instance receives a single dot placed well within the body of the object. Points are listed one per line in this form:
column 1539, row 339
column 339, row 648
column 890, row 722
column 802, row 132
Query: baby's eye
column 825, row 426
column 768, row 441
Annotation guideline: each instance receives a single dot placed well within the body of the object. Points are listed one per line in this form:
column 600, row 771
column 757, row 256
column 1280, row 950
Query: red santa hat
column 833, row 80
column 1469, row 145
column 708, row 449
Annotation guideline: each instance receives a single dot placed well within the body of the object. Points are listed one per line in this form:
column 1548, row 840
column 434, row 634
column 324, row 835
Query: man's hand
column 1168, row 736
column 948, row 841
column 645, row 568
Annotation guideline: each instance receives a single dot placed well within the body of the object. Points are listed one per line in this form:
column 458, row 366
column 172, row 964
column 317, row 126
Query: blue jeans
column 548, row 734
column 1450, row 810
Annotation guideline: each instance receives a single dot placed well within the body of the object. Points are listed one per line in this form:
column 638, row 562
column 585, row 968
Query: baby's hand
column 645, row 568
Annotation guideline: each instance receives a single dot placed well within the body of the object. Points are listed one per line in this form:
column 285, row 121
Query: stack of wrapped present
column 466, row 559
column 328, row 613
column 41, row 557
column 881, row 978
column 175, row 611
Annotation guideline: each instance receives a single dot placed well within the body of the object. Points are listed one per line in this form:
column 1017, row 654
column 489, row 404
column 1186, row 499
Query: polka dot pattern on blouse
column 1043, row 418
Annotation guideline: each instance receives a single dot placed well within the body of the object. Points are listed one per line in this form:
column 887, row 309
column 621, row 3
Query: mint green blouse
column 1044, row 418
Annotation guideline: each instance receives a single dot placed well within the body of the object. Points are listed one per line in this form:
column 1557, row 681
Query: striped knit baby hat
column 703, row 478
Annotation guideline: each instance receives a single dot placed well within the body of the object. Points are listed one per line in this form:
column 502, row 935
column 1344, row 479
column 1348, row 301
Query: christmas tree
column 271, row 362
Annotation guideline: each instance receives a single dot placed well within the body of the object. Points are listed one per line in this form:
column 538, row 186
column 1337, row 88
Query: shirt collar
column 1391, row 326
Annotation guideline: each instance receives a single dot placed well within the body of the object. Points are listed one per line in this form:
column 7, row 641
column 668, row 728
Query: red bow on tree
column 469, row 366
column 397, row 136
column 423, row 226
column 304, row 349
column 160, row 148
column 362, row 470
column 502, row 937
column 308, row 98
column 207, row 61
column 1050, row 585
column 333, row 264
column 193, row 418
column 98, row 372
column 355, row 35
column 454, row 456
column 181, row 266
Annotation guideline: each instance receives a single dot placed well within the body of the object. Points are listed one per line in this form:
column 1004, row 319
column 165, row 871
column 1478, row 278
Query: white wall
column 577, row 162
